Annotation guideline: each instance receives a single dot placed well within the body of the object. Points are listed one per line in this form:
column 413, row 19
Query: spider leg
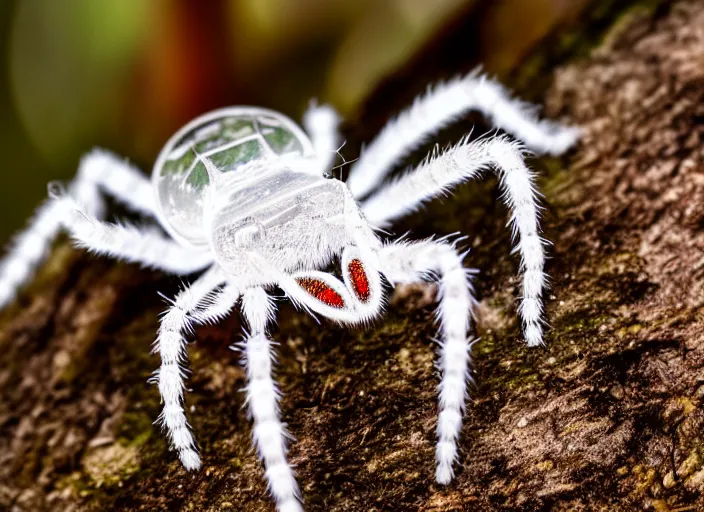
column 462, row 162
column 444, row 104
column 102, row 170
column 171, row 346
column 27, row 250
column 413, row 262
column 262, row 397
column 147, row 247
column 321, row 122
column 97, row 170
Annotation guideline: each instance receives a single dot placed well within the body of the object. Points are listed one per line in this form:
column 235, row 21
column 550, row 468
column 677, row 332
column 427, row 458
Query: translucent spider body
column 244, row 182
column 246, row 199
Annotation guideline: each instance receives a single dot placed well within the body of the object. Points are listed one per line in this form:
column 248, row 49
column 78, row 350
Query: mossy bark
column 608, row 416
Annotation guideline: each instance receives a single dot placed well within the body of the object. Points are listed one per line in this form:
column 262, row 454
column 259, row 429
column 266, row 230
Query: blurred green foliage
column 125, row 74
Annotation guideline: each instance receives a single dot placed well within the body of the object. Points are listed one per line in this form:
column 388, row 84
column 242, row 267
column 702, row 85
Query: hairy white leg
column 145, row 246
column 28, row 249
column 321, row 122
column 442, row 105
column 171, row 346
column 262, row 398
column 103, row 170
column 462, row 162
column 97, row 170
column 217, row 305
column 412, row 262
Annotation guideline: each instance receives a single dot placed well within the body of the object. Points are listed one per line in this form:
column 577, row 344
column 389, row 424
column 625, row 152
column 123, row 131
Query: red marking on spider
column 321, row 291
column 360, row 282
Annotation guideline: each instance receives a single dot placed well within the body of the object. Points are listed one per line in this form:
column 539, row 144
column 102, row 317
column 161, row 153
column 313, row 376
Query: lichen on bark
column 608, row 416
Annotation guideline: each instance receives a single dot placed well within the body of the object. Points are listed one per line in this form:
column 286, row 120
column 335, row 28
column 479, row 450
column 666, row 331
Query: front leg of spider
column 98, row 171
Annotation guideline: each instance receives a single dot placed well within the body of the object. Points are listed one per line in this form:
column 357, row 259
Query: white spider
column 243, row 194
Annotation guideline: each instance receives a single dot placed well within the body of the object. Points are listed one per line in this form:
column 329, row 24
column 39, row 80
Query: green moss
column 486, row 345
column 599, row 19
column 136, row 429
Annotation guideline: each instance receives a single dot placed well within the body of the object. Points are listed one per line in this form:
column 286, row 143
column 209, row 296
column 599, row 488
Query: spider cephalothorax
column 246, row 199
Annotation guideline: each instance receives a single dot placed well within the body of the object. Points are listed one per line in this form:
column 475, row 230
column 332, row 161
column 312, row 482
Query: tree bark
column 608, row 416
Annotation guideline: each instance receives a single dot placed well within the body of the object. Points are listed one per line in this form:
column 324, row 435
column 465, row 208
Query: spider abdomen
column 230, row 139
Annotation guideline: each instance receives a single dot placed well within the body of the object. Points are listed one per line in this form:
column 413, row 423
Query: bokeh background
column 125, row 74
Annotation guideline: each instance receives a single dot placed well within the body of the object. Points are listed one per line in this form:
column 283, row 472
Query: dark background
column 125, row 74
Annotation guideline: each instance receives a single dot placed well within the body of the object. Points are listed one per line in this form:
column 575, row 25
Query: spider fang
column 321, row 291
column 360, row 283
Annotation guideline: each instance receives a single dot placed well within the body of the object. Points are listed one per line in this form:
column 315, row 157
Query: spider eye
column 328, row 175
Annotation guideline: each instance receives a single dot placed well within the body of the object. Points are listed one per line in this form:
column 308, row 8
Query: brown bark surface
column 609, row 416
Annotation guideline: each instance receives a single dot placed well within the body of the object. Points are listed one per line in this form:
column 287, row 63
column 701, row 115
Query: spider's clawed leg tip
column 567, row 138
column 290, row 506
column 190, row 460
column 535, row 342
column 534, row 335
column 443, row 475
